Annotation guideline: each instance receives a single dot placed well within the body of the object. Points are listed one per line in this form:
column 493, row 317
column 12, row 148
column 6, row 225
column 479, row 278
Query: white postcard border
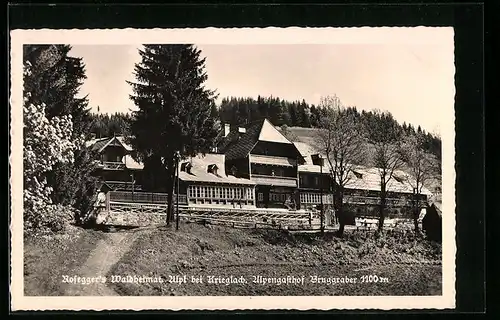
column 293, row 35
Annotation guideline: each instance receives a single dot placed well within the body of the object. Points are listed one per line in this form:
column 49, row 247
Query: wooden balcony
column 123, row 185
column 273, row 160
column 274, row 180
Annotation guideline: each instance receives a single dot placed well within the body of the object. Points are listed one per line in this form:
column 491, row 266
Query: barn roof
column 366, row 178
column 306, row 150
column 199, row 170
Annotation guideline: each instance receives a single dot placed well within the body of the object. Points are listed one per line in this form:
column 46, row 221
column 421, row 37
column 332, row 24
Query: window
column 357, row 174
column 260, row 196
column 186, row 167
column 398, row 178
column 250, row 193
column 316, row 181
column 212, row 168
column 301, row 180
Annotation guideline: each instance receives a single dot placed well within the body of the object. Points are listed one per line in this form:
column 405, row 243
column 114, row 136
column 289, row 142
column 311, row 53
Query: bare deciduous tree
column 387, row 156
column 422, row 167
column 341, row 141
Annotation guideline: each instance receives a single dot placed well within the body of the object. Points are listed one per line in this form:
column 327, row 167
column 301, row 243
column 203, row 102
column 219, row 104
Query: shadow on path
column 107, row 253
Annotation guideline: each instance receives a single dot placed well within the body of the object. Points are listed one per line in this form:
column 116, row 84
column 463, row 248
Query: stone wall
column 131, row 219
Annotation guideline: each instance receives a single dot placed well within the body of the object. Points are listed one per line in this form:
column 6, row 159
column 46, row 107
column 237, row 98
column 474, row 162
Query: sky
column 415, row 82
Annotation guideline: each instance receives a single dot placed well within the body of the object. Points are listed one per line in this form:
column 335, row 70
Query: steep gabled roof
column 239, row 145
column 269, row 133
column 100, row 144
column 97, row 144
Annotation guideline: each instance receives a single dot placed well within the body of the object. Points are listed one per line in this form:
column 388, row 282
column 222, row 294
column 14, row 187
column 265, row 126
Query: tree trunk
column 170, row 192
column 383, row 197
column 341, row 214
column 416, row 214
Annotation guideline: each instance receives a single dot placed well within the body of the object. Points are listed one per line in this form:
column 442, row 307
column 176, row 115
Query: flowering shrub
column 46, row 142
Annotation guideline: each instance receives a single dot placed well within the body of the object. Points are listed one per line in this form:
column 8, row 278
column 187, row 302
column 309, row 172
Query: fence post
column 108, row 195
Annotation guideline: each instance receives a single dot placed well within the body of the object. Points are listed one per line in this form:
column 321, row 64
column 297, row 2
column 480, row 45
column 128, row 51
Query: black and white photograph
column 294, row 168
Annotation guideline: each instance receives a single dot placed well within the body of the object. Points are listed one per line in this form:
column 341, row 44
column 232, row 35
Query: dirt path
column 107, row 252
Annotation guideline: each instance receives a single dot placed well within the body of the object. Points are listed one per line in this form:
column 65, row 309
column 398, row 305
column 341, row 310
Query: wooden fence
column 144, row 197
column 238, row 216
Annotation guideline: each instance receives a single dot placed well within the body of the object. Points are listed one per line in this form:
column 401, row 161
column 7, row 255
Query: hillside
column 404, row 265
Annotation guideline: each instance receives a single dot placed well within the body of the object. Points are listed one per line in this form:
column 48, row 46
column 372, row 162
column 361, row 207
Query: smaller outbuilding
column 432, row 221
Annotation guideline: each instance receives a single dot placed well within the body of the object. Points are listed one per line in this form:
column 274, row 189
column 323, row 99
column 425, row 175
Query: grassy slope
column 46, row 260
column 413, row 268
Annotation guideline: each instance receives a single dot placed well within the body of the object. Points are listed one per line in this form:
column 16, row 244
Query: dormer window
column 317, row 159
column 399, row 179
column 358, row 175
column 234, row 170
column 212, row 169
column 186, row 167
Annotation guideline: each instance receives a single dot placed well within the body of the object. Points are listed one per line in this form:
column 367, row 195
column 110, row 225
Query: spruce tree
column 56, row 81
column 174, row 108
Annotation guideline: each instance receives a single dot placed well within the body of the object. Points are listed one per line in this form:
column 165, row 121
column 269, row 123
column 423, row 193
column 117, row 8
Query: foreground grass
column 47, row 259
column 401, row 266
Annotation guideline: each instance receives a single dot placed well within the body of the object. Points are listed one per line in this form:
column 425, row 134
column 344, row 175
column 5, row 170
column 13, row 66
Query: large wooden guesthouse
column 255, row 166
column 260, row 153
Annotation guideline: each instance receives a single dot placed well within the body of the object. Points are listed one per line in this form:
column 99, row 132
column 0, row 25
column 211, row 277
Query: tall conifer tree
column 175, row 109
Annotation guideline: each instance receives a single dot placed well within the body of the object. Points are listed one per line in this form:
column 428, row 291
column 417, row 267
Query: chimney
column 227, row 128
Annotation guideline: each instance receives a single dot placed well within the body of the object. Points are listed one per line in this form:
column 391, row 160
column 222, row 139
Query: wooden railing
column 112, row 165
column 275, row 180
column 122, row 185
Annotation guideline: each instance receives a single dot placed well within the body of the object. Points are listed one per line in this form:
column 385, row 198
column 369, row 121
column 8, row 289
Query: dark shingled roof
column 238, row 145
column 99, row 143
